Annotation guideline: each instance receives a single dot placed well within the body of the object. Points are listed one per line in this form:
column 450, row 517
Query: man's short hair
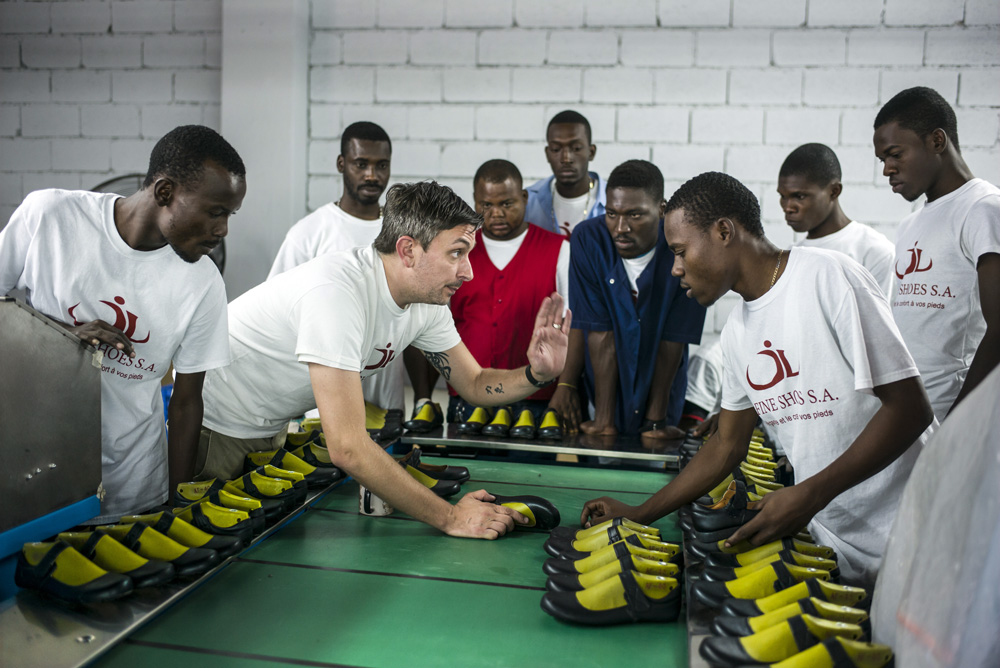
column 713, row 195
column 573, row 118
column 498, row 171
column 181, row 154
column 422, row 211
column 365, row 131
column 638, row 174
column 816, row 162
column 921, row 110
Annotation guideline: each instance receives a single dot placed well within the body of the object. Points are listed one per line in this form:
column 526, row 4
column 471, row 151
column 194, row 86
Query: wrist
column 537, row 381
column 653, row 425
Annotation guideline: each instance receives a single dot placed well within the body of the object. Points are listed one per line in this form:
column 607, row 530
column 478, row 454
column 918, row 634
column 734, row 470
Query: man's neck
column 835, row 222
column 954, row 174
column 135, row 220
column 394, row 279
column 576, row 189
column 757, row 267
column 351, row 206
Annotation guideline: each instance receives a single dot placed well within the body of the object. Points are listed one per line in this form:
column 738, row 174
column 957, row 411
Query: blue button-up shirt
column 539, row 210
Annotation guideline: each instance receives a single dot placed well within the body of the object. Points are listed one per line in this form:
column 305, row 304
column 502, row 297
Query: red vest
column 495, row 311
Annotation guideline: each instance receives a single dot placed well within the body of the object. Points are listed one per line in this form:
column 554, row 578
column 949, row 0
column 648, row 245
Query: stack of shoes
column 261, row 511
column 551, row 428
column 258, row 485
column 629, row 580
column 439, row 471
column 541, row 513
column 426, row 417
column 314, row 476
column 112, row 556
column 524, row 427
column 444, row 483
column 151, row 544
column 479, row 418
column 383, row 424
column 500, row 425
column 226, row 542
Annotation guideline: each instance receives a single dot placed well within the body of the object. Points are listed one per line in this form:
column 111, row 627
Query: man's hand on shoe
column 475, row 517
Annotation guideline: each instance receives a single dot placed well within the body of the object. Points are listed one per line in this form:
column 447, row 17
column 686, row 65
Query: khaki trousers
column 221, row 456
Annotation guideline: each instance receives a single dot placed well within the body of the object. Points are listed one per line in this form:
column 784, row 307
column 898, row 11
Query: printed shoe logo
column 387, row 356
column 916, row 255
column 125, row 321
column 782, row 369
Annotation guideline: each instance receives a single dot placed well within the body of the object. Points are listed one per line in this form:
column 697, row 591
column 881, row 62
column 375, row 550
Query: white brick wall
column 88, row 86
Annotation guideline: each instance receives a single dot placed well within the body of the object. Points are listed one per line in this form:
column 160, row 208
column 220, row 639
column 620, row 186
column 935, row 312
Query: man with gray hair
column 307, row 337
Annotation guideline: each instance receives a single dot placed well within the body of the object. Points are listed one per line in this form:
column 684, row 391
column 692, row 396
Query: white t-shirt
column 634, row 266
column 864, row 245
column 335, row 310
column 705, row 370
column 936, row 297
column 329, row 229
column 502, row 252
column 63, row 249
column 570, row 212
column 806, row 356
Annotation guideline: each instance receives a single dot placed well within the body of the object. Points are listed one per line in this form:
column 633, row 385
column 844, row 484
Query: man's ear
column 163, row 191
column 593, row 152
column 725, row 230
column 340, row 164
column 835, row 189
column 406, row 248
column 663, row 208
column 937, row 140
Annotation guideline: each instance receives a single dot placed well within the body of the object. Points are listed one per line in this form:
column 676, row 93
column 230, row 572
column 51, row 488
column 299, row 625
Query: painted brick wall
column 692, row 85
column 88, row 86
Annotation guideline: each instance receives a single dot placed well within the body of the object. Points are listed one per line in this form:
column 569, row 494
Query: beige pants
column 221, row 456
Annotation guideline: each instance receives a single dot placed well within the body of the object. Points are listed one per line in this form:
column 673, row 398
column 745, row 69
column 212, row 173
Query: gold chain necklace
column 774, row 276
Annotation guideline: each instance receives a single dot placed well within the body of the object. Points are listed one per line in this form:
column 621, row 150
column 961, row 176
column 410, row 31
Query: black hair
column 816, row 162
column 638, row 174
column 365, row 131
column 498, row 171
column 181, row 154
column 421, row 210
column 921, row 110
column 713, row 195
column 573, row 118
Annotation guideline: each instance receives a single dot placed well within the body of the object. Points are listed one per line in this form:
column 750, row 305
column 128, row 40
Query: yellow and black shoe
column 114, row 557
column 777, row 643
column 438, row 471
column 631, row 546
column 297, row 439
column 759, row 584
column 426, row 417
column 722, row 573
column 261, row 487
column 728, row 625
column 574, row 550
column 625, row 598
column 474, row 425
column 551, row 428
column 525, row 426
column 542, row 514
column 214, row 491
column 570, row 533
column 443, row 488
column 839, row 652
column 311, row 424
column 500, row 425
column 813, row 588
column 315, row 454
column 188, row 534
column 383, row 424
column 217, row 520
column 283, row 459
column 58, row 569
column 578, row 581
column 152, row 544
column 754, row 554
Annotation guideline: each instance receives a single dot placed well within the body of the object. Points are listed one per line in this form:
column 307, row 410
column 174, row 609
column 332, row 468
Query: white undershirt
column 570, row 212
column 634, row 266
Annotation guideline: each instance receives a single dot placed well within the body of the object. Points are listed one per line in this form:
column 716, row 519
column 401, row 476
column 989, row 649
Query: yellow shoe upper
column 71, row 568
column 525, row 419
column 828, row 611
column 778, row 642
column 550, row 419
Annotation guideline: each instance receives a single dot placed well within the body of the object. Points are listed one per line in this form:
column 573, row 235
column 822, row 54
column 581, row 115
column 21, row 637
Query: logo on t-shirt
column 387, row 355
column 916, row 256
column 782, row 369
column 125, row 321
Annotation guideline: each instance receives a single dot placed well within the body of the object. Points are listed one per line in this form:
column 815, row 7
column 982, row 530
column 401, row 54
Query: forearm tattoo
column 494, row 390
column 440, row 362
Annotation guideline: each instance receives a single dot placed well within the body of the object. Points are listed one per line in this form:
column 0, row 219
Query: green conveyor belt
column 333, row 588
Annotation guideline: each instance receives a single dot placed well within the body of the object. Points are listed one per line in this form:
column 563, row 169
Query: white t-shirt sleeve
column 437, row 332
column 562, row 273
column 205, row 344
column 734, row 396
column 331, row 327
column 292, row 253
column 868, row 336
column 981, row 231
column 15, row 239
